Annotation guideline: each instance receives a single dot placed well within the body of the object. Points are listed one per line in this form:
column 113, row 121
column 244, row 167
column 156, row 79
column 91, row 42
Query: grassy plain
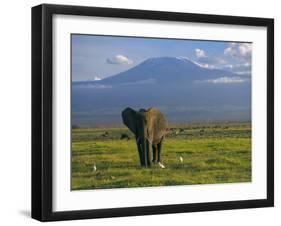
column 211, row 153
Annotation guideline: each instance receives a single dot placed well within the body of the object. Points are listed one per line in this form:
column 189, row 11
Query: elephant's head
column 135, row 121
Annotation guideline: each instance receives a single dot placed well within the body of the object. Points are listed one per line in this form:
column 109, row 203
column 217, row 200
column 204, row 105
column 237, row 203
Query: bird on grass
column 94, row 167
column 181, row 159
column 161, row 165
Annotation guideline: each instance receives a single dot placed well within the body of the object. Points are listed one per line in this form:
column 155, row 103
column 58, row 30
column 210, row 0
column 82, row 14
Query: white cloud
column 94, row 86
column 200, row 64
column 140, row 82
column 238, row 50
column 200, row 53
column 230, row 66
column 183, row 58
column 119, row 59
column 230, row 51
column 204, row 65
column 100, row 86
column 243, row 68
column 223, row 80
column 216, row 62
column 243, row 72
column 245, row 49
column 97, row 78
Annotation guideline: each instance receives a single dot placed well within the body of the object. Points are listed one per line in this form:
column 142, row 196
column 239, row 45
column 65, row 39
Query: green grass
column 220, row 153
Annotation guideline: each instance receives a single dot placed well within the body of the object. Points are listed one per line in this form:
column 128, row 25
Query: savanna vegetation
column 192, row 154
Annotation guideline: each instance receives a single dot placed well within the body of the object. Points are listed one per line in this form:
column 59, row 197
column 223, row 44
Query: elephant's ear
column 129, row 119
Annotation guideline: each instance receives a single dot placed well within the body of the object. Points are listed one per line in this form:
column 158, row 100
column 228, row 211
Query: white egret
column 161, row 165
column 94, row 167
column 181, row 159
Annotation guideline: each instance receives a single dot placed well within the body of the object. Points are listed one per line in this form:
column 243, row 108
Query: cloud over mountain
column 224, row 80
column 239, row 50
column 119, row 60
column 200, row 53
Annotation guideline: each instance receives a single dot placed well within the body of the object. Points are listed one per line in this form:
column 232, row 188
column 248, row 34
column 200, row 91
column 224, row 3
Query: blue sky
column 97, row 57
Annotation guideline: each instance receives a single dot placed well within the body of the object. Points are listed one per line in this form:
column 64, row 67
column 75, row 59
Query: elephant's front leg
column 154, row 159
column 148, row 153
column 140, row 151
column 140, row 154
column 159, row 146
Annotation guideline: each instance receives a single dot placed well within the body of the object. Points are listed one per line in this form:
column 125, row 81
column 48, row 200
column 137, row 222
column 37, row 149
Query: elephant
column 149, row 127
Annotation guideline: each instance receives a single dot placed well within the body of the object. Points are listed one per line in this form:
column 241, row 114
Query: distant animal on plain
column 105, row 134
column 181, row 130
column 201, row 132
column 124, row 136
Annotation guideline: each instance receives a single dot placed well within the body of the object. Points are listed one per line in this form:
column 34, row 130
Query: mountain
column 164, row 70
column 184, row 90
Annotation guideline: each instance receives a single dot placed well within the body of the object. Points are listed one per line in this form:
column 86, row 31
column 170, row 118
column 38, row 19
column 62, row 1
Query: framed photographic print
column 145, row 112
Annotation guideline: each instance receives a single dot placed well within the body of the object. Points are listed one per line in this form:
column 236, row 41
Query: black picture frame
column 42, row 111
